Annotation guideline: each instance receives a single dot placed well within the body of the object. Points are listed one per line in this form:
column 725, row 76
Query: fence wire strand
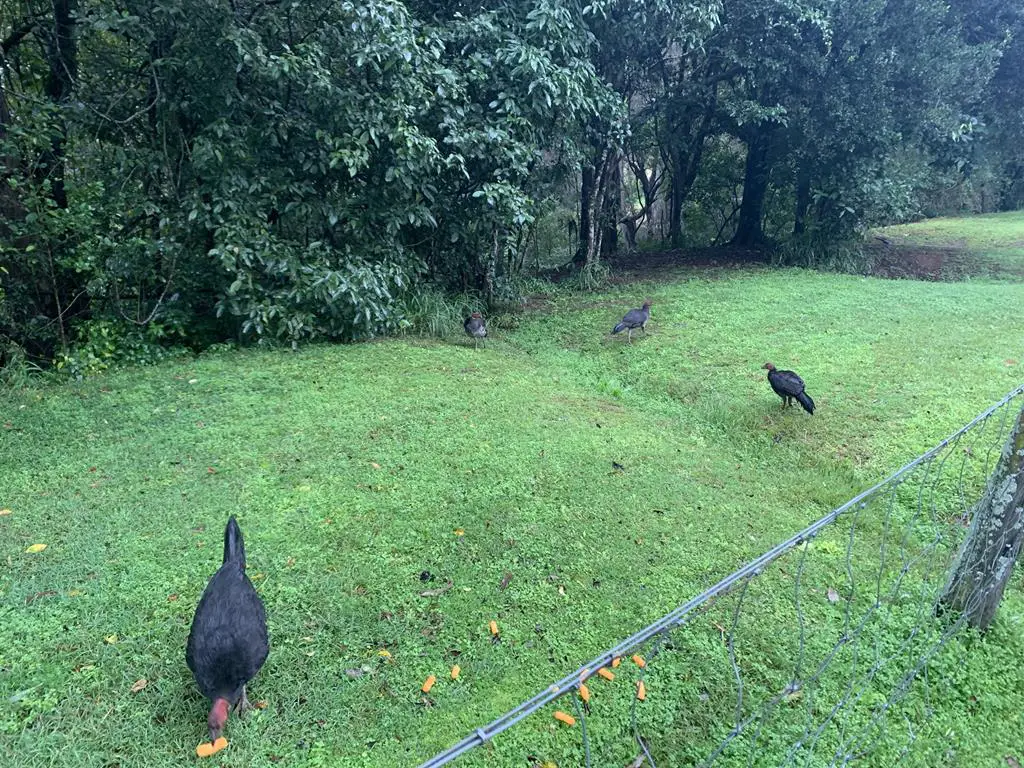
column 813, row 679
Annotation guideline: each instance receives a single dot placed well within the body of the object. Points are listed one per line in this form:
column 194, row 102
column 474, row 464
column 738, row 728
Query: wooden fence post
column 985, row 563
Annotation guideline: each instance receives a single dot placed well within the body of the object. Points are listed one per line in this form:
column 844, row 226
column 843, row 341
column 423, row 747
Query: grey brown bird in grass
column 475, row 327
column 635, row 318
column 228, row 642
column 789, row 387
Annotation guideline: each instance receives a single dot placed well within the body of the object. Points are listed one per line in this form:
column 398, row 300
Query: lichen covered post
column 986, row 560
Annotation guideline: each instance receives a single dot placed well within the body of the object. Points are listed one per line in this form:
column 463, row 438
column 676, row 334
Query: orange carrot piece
column 428, row 684
column 567, row 719
column 455, row 672
column 206, row 748
column 584, row 693
column 494, row 627
column 641, row 690
column 615, row 662
column 639, row 660
column 606, row 673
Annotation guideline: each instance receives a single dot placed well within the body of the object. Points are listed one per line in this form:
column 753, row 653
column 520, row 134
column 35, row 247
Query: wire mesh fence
column 804, row 656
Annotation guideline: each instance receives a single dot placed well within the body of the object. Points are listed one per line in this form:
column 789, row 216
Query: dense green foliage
column 352, row 468
column 182, row 172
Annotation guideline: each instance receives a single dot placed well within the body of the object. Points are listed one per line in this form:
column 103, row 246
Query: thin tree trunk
column 755, row 189
column 63, row 62
column 803, row 200
column 611, row 208
column 588, row 178
column 677, row 194
column 993, row 543
column 592, row 188
column 491, row 270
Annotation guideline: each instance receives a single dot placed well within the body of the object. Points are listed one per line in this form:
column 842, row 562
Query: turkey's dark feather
column 228, row 641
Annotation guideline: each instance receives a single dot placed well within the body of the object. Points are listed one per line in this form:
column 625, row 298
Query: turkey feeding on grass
column 635, row 318
column 475, row 327
column 228, row 641
column 789, row 387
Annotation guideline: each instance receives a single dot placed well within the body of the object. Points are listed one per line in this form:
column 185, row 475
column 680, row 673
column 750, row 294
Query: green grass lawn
column 994, row 238
column 364, row 475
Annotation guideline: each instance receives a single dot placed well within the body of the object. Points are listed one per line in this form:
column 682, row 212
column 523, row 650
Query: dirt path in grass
column 886, row 259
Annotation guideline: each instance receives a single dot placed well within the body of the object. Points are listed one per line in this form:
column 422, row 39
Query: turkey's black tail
column 619, row 328
column 234, row 547
column 806, row 402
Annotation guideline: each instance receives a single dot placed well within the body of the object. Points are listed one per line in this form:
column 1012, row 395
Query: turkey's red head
column 217, row 718
column 769, row 366
column 476, row 316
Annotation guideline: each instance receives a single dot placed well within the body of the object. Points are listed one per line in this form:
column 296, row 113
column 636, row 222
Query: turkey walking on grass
column 635, row 318
column 228, row 642
column 789, row 387
column 475, row 327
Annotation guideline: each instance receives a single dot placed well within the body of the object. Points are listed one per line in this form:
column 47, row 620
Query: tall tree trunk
column 611, row 208
column 685, row 165
column 803, row 199
column 755, row 189
column 677, row 194
column 993, row 543
column 588, row 182
column 62, row 58
column 593, row 183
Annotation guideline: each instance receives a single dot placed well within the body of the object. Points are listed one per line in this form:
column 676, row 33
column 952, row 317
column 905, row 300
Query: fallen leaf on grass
column 436, row 592
column 261, row 704
column 4, row 512
column 110, row 639
column 375, row 465
column 460, row 532
column 35, row 548
column 455, row 672
column 139, row 685
column 833, row 596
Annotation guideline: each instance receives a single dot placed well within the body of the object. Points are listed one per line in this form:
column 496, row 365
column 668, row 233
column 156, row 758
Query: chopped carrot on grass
column 455, row 672
column 206, row 749
column 641, row 690
column 494, row 628
column 615, row 662
column 567, row 719
column 584, row 693
column 428, row 684
column 639, row 660
column 606, row 673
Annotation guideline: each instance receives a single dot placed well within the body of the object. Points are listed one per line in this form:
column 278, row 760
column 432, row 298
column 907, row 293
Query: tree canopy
column 193, row 171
